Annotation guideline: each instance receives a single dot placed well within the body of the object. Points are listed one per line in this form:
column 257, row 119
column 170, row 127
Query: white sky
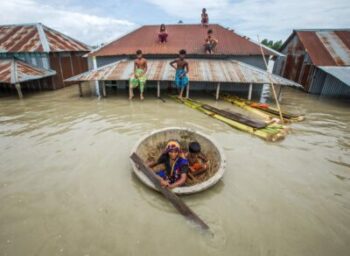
column 94, row 22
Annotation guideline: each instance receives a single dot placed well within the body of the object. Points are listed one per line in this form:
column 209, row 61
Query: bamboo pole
column 272, row 132
column 271, row 83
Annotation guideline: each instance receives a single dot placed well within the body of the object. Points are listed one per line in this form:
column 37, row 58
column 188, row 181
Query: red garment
column 163, row 37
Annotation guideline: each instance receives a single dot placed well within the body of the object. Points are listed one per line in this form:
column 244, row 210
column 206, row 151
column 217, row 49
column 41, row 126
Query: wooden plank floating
column 168, row 194
column 237, row 117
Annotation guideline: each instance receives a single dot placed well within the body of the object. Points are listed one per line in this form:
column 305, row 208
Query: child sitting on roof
column 197, row 161
column 205, row 17
column 138, row 78
column 181, row 79
column 163, row 35
column 174, row 167
column 210, row 42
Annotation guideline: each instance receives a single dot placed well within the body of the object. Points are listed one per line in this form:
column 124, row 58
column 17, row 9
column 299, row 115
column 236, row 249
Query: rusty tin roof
column 37, row 38
column 14, row 71
column 182, row 36
column 326, row 47
column 201, row 70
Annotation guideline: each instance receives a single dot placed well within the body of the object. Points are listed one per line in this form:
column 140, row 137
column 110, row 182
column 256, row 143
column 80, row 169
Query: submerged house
column 236, row 65
column 37, row 57
column 319, row 60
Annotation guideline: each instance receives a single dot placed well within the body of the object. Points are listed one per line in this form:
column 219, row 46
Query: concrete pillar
column 19, row 91
column 250, row 91
column 217, row 92
column 104, row 89
column 158, row 89
column 188, row 90
column 97, row 86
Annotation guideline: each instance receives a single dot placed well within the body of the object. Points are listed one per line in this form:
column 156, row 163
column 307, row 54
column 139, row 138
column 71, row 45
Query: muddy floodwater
column 67, row 188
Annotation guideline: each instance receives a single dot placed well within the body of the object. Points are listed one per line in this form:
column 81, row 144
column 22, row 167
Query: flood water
column 67, row 188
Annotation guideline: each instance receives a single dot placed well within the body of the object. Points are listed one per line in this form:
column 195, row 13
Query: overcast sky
column 95, row 22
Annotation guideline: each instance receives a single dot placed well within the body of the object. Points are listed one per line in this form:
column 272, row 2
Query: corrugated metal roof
column 327, row 47
column 201, row 70
column 341, row 73
column 14, row 71
column 181, row 36
column 36, row 38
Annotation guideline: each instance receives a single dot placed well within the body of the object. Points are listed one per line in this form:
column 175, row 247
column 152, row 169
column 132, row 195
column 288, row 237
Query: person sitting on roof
column 174, row 167
column 181, row 79
column 138, row 78
column 197, row 161
column 205, row 18
column 163, row 35
column 210, row 42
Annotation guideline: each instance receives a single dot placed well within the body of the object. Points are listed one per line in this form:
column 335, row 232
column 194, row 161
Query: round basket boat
column 150, row 147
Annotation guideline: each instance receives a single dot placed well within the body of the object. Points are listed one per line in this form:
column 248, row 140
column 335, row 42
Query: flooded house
column 36, row 57
column 236, row 64
column 318, row 59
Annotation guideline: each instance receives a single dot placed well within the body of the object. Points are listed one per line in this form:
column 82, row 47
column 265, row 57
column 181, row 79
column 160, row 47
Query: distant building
column 46, row 57
column 319, row 60
column 237, row 63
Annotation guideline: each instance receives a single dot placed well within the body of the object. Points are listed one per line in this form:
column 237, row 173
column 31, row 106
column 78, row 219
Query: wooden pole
column 188, row 90
column 80, row 90
column 271, row 83
column 158, row 89
column 250, row 91
column 19, row 91
column 217, row 92
column 168, row 194
column 104, row 89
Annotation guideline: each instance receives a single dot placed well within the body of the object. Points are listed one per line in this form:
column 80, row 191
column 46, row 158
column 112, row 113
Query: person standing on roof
column 163, row 34
column 210, row 42
column 181, row 79
column 205, row 18
column 138, row 78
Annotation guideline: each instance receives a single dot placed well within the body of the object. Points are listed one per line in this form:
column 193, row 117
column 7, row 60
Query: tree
column 274, row 45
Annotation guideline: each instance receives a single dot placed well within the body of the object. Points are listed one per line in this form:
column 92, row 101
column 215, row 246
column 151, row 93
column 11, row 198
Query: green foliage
column 274, row 45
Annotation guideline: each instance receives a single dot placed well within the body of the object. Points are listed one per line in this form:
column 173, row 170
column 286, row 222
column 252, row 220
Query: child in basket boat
column 174, row 166
column 198, row 163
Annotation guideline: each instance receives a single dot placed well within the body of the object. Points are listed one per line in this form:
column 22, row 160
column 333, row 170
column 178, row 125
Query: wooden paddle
column 168, row 194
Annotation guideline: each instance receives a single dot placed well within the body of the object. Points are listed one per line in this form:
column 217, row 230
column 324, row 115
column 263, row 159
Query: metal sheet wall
column 66, row 65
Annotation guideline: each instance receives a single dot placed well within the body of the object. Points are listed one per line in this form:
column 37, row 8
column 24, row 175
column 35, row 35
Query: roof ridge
column 65, row 36
column 321, row 29
column 20, row 24
column 43, row 37
column 114, row 40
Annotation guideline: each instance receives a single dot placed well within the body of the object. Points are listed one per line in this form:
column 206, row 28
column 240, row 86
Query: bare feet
column 141, row 97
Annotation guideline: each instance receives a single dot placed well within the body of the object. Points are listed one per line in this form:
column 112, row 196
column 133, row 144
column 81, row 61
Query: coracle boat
column 150, row 147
